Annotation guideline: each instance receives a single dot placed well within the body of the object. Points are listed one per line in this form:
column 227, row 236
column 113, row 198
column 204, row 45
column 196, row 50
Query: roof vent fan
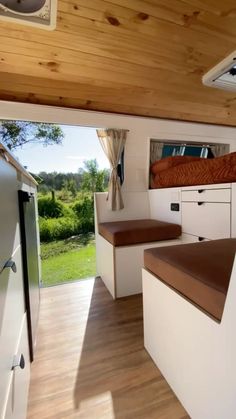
column 223, row 75
column 39, row 13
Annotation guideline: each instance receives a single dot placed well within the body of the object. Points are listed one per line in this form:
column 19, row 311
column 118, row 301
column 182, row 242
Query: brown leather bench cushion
column 123, row 233
column 199, row 271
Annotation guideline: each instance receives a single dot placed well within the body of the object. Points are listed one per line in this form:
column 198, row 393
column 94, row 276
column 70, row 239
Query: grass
column 68, row 260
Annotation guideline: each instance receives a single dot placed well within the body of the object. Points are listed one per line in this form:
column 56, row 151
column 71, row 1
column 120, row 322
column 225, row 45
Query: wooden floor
column 90, row 360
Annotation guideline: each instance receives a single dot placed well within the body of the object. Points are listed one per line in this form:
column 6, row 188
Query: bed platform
column 189, row 323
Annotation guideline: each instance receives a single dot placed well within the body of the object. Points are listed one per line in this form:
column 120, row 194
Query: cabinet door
column 11, row 319
column 208, row 220
column 9, row 213
column 17, row 397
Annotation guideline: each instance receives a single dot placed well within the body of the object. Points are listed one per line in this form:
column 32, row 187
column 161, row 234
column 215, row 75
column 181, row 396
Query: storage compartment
column 206, row 195
column 15, row 406
column 12, row 310
column 208, row 220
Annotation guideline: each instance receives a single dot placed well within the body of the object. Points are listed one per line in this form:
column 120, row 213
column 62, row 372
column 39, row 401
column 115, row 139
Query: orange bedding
column 202, row 172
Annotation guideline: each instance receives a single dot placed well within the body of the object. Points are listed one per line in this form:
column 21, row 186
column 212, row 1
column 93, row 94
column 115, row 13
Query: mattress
column 201, row 172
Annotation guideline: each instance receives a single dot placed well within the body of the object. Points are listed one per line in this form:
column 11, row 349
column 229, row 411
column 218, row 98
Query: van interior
column 153, row 334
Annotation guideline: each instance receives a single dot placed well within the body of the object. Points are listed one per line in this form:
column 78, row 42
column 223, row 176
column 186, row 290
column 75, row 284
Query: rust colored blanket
column 203, row 172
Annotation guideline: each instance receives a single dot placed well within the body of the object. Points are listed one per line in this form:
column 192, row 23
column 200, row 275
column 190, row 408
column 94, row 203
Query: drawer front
column 207, row 195
column 209, row 220
column 11, row 311
column 15, row 406
column 189, row 238
column 9, row 226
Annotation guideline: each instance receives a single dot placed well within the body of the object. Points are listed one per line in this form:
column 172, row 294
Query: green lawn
column 68, row 260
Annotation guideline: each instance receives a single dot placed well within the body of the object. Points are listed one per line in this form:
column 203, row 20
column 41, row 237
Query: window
column 160, row 149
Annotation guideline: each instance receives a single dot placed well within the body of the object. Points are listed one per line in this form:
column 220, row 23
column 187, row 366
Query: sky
column 78, row 145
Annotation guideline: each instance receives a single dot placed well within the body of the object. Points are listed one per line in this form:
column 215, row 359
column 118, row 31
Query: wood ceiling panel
column 137, row 57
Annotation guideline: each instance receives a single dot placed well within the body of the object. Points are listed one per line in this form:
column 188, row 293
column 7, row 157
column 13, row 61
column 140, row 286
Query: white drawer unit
column 207, row 211
column 206, row 219
column 15, row 405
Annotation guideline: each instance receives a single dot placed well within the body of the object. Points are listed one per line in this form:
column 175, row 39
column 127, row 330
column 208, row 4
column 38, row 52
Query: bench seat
column 125, row 233
column 198, row 271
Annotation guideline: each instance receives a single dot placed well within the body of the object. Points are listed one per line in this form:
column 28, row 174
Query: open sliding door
column 30, row 257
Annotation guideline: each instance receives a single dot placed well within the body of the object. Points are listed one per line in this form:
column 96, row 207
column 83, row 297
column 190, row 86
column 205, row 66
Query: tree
column 16, row 134
column 93, row 179
column 72, row 187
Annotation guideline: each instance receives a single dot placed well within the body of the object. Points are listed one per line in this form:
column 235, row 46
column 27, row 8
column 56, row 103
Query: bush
column 84, row 210
column 58, row 228
column 50, row 208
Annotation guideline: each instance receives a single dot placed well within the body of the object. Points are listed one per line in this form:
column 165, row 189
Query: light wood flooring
column 90, row 360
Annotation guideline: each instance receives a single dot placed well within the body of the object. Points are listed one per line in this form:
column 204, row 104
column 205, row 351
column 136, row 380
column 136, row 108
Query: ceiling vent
column 223, row 75
column 39, row 13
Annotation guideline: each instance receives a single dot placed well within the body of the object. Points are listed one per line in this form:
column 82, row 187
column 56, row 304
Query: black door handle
column 18, row 361
column 200, row 203
column 200, row 239
column 10, row 264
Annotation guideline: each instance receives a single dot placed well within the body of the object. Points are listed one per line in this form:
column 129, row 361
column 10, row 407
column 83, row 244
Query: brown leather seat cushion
column 123, row 233
column 199, row 271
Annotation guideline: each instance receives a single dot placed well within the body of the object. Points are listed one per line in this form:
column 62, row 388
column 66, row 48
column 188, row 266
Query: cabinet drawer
column 9, row 226
column 209, row 220
column 15, row 406
column 189, row 238
column 206, row 195
column 11, row 311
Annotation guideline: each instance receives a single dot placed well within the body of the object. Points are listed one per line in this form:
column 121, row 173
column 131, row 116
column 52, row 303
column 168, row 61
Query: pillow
column 169, row 162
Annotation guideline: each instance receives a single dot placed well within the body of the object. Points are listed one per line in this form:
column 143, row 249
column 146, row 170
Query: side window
column 187, row 150
column 160, row 149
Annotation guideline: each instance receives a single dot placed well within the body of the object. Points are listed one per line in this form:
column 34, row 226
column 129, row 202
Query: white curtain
column 156, row 148
column 112, row 142
column 219, row 149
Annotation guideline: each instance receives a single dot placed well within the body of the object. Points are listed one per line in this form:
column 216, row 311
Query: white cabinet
column 14, row 343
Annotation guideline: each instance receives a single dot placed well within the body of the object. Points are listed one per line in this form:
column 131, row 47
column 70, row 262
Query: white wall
column 140, row 132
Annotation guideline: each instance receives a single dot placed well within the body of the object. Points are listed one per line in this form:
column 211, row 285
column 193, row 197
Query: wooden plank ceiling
column 127, row 56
